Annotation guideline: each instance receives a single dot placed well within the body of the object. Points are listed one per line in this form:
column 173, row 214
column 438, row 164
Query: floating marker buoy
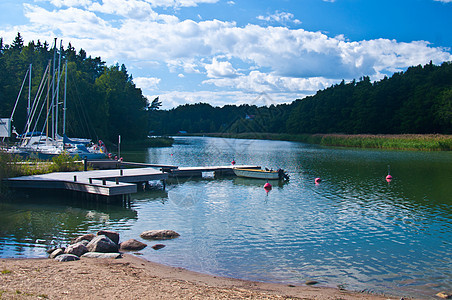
column 267, row 187
column 233, row 162
column 318, row 180
column 389, row 177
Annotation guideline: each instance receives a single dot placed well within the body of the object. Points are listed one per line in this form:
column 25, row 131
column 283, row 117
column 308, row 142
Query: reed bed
column 420, row 142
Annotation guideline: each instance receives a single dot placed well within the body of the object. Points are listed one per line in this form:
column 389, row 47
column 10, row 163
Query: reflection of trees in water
column 55, row 219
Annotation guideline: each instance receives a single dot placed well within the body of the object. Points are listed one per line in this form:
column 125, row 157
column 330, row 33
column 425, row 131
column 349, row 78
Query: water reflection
column 32, row 223
column 353, row 229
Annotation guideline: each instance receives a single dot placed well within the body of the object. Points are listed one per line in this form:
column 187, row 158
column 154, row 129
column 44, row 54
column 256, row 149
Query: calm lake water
column 353, row 230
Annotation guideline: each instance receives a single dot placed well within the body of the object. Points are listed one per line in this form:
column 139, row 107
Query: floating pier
column 101, row 182
column 113, row 182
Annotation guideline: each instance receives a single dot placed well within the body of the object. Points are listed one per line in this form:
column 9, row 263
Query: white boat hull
column 256, row 173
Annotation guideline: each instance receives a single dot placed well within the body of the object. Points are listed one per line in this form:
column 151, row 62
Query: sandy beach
column 134, row 278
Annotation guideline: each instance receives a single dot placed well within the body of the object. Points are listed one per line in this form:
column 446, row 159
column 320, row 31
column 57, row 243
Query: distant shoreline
column 412, row 142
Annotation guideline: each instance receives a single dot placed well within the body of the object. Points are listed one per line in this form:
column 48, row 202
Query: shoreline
column 133, row 277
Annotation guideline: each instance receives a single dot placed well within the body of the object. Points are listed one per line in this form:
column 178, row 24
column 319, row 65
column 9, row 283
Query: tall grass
column 427, row 142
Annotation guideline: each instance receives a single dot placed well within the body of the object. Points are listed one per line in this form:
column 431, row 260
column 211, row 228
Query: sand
column 134, row 278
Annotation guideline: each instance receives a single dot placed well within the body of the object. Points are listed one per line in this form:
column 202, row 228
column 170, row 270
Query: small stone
column 101, row 255
column 112, row 235
column 49, row 251
column 132, row 245
column 159, row 234
column 77, row 249
column 311, row 282
column 88, row 237
column 66, row 257
column 158, row 246
column 444, row 295
column 56, row 252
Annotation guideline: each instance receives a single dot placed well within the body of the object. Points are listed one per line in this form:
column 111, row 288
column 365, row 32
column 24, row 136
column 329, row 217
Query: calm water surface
column 353, row 230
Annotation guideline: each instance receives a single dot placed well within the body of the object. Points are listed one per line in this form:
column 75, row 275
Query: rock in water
column 77, row 249
column 102, row 244
column 112, row 235
column 444, row 295
column 159, row 234
column 56, row 252
column 101, row 255
column 66, row 257
column 158, row 246
column 132, row 245
column 87, row 237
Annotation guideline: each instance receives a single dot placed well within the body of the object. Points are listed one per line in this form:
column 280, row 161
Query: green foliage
column 65, row 163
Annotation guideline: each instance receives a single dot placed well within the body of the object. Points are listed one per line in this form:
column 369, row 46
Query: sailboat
column 44, row 145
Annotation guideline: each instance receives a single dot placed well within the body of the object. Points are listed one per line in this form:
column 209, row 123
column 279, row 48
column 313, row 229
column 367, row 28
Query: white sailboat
column 42, row 145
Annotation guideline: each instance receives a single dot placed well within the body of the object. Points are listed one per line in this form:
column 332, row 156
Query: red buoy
column 318, row 180
column 233, row 162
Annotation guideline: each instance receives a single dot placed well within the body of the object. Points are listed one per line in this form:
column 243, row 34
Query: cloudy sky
column 232, row 51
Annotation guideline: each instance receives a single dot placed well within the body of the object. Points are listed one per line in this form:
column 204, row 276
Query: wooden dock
column 101, row 182
column 114, row 182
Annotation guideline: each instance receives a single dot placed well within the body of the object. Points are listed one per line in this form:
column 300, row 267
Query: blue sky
column 233, row 52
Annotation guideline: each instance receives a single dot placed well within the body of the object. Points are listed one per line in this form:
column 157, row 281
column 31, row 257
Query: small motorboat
column 261, row 174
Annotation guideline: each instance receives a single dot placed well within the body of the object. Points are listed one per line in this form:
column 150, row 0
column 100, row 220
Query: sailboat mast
column 29, row 94
column 48, row 101
column 64, row 101
column 53, row 90
column 58, row 91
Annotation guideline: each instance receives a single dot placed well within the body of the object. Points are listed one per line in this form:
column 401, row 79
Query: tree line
column 418, row 100
column 102, row 101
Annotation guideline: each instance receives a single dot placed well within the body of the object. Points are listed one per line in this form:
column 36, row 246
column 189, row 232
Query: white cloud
column 444, row 1
column 280, row 17
column 258, row 82
column 149, row 83
column 218, row 69
column 69, row 3
column 266, row 59
column 179, row 3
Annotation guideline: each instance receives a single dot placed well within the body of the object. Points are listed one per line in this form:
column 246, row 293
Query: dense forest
column 416, row 101
column 102, row 101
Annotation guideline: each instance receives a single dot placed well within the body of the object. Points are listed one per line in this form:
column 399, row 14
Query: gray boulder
column 66, row 257
column 132, row 245
column 88, row 237
column 102, row 244
column 158, row 246
column 112, row 235
column 77, row 249
column 56, row 252
column 159, row 234
column 101, row 255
